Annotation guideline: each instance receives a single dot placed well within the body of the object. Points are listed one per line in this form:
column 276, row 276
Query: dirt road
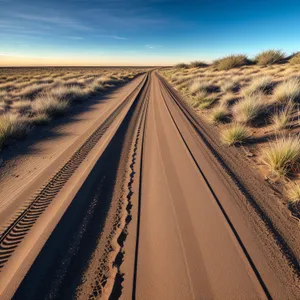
column 140, row 207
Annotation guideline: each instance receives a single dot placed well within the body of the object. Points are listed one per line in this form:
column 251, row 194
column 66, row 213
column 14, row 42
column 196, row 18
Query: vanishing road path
column 140, row 207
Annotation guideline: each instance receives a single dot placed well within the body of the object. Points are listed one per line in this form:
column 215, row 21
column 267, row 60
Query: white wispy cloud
column 55, row 20
column 153, row 46
column 116, row 37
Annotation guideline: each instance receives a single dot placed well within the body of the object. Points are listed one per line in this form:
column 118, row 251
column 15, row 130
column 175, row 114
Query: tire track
column 18, row 229
column 235, row 233
column 118, row 236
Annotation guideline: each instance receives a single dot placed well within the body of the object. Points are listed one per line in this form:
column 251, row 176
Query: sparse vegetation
column 198, row 64
column 234, row 134
column 34, row 96
column 258, row 84
column 280, row 119
column 218, row 114
column 269, row 57
column 199, row 86
column 11, row 126
column 231, row 61
column 281, row 155
column 207, row 101
column 49, row 105
column 249, row 108
column 229, row 86
column 181, row 66
column 293, row 192
column 295, row 60
column 287, row 91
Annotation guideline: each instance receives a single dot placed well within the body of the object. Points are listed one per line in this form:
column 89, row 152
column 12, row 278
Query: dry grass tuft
column 249, row 108
column 287, row 91
column 207, row 101
column 218, row 114
column 281, row 119
column 229, row 86
column 234, row 134
column 12, row 126
column 32, row 90
column 258, row 84
column 22, row 106
column 293, row 192
column 41, row 119
column 269, row 57
column 49, row 105
column 199, row 86
column 281, row 155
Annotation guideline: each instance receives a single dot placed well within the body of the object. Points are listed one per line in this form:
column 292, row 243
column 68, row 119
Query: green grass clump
column 269, row 57
column 234, row 134
column 281, row 155
column 231, row 61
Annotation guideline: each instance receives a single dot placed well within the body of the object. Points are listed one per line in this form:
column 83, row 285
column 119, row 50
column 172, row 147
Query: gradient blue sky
column 136, row 32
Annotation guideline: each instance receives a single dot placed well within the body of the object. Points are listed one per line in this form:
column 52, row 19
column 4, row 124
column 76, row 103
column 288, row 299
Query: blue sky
column 136, row 32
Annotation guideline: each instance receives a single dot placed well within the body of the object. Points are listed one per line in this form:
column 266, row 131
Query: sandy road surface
column 141, row 209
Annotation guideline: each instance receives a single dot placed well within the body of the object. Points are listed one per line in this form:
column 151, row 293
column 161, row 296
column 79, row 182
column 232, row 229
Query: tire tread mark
column 9, row 240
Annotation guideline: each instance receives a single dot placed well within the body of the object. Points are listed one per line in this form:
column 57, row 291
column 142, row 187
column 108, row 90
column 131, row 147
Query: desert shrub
column 286, row 91
column 234, row 134
column 231, row 61
column 295, row 59
column 49, row 105
column 269, row 57
column 181, row 66
column 249, row 108
column 198, row 64
column 281, row 155
column 12, row 126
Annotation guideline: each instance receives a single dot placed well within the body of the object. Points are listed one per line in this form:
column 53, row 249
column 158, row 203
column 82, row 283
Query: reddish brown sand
column 184, row 228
